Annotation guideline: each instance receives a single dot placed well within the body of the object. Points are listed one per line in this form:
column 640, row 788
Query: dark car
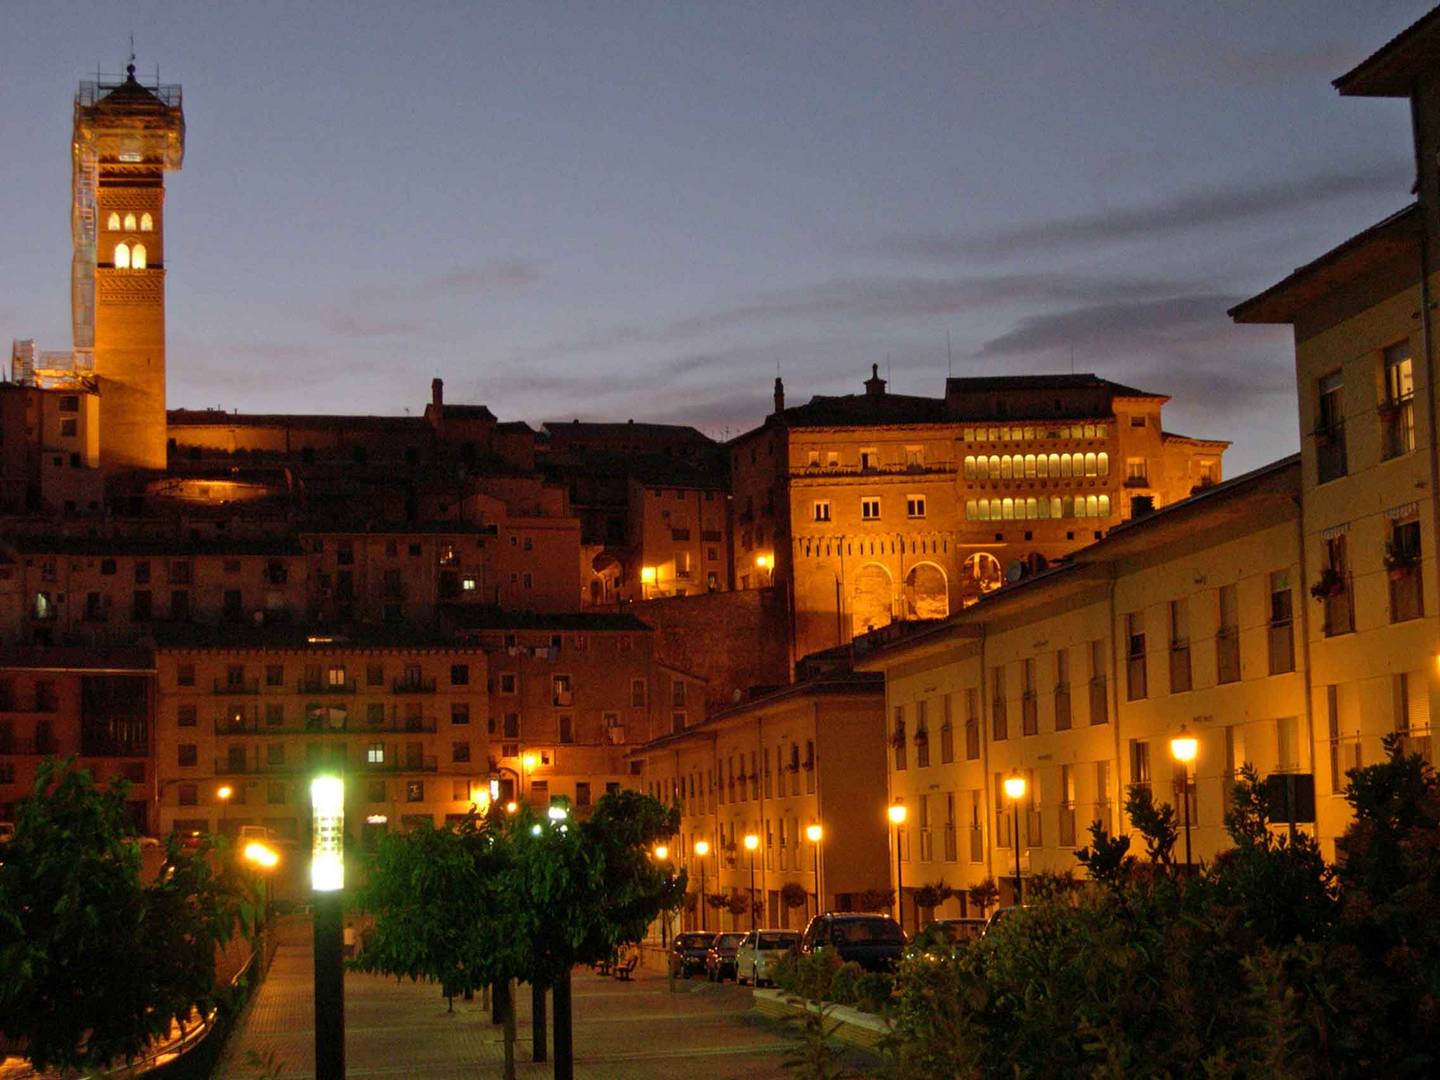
column 875, row 942
column 720, row 957
column 687, row 953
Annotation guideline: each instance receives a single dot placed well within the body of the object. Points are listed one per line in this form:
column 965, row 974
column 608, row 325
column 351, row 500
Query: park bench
column 624, row 970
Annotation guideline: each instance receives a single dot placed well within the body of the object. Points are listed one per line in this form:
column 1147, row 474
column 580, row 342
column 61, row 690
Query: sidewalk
column 623, row 1031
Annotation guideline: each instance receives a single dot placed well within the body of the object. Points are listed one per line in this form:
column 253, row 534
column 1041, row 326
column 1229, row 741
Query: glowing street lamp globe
column 813, row 833
column 751, row 841
column 1184, row 747
column 702, row 848
column 1015, row 787
column 662, row 852
column 262, row 855
column 897, row 813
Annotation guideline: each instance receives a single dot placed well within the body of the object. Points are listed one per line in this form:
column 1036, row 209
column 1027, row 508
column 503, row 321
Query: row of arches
column 925, row 594
column 129, row 258
column 1035, row 466
column 129, row 223
column 1033, row 509
column 1016, row 434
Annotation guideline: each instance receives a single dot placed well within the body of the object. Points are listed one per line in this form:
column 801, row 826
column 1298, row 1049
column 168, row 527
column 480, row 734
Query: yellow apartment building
column 1077, row 678
column 811, row 753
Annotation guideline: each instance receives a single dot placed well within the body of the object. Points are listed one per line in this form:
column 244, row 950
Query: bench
column 623, row 971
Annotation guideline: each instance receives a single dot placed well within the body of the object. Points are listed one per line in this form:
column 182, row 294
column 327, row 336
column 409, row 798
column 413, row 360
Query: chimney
column 437, row 393
column 874, row 386
column 779, row 396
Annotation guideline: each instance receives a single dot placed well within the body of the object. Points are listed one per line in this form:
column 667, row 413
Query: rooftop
column 1086, row 381
column 311, row 638
column 469, row 618
column 221, row 418
column 1364, row 251
column 1392, row 69
column 76, row 658
column 170, row 546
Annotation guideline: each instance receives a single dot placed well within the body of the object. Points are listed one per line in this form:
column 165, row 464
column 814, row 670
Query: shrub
column 845, row 986
column 873, row 991
column 814, row 972
column 784, row 971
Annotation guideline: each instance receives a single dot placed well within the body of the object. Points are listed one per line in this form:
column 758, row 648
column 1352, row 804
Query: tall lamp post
column 1183, row 748
column 327, row 879
column 751, row 843
column 662, row 854
column 897, row 818
column 264, row 858
column 814, row 833
column 224, row 793
column 702, row 849
column 1015, row 791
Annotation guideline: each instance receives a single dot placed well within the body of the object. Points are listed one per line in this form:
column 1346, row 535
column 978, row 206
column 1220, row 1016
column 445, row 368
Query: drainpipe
column 1114, row 703
column 1426, row 331
column 985, row 735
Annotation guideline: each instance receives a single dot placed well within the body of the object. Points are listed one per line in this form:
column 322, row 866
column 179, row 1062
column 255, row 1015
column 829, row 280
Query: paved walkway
column 623, row 1031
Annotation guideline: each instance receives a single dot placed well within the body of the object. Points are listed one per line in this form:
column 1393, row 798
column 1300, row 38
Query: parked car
column 720, row 957
column 875, row 942
column 7, row 831
column 687, row 954
column 252, row 832
column 758, row 952
column 996, row 916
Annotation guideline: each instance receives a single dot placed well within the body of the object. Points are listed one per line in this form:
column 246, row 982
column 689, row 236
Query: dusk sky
column 639, row 210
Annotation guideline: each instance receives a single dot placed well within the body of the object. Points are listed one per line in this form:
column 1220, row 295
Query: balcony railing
column 391, row 726
column 413, row 686
column 1227, row 654
column 31, row 747
column 1099, row 703
column 977, row 844
column 237, row 686
column 1282, row 647
column 1339, row 611
column 1029, row 714
column 325, row 686
column 1330, row 460
column 951, row 848
column 1062, row 708
column 1067, row 826
column 1179, row 667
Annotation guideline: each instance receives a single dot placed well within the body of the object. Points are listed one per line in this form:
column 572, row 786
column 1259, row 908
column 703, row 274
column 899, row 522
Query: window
column 460, row 752
column 869, row 459
column 637, row 693
column 897, row 737
column 1281, row 629
column 459, row 712
column 274, row 674
column 1099, row 693
column 147, row 223
column 459, row 674
column 1136, row 473
column 915, row 506
column 822, row 510
column 137, row 257
column 375, row 791
column 187, row 754
column 1179, row 646
column 507, row 682
column 1135, row 681
column 122, row 256
column 1029, row 710
column 185, row 675
column 335, row 677
column 1140, row 763
column 113, row 221
column 1330, row 460
column 1287, row 744
column 185, row 715
column 1227, row 637
column 922, row 735
column 1334, row 585
column 1402, row 566
column 947, row 734
column 582, row 793
column 68, row 426
column 1397, row 402
column 188, row 795
column 870, row 509
column 415, row 791
column 275, row 792
column 999, row 721
column 1062, row 690
column 375, row 675
column 560, row 690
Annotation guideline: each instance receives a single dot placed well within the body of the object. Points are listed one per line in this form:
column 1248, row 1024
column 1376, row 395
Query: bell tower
column 126, row 136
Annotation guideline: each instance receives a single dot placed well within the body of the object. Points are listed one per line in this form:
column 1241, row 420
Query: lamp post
column 327, row 880
column 897, row 818
column 224, row 793
column 1183, row 748
column 814, row 833
column 662, row 854
column 264, row 858
column 702, row 849
column 1015, row 791
column 751, row 843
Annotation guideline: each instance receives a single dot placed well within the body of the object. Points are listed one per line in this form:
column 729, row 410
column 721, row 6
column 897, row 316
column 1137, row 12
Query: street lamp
column 1183, row 748
column 223, row 793
column 327, row 879
column 702, row 849
column 897, row 817
column 1015, row 791
column 814, row 833
column 751, row 843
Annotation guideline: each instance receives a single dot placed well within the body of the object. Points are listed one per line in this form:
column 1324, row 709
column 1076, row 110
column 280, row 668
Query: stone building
column 877, row 507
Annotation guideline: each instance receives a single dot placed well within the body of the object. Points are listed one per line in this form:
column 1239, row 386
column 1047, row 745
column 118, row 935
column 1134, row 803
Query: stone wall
column 734, row 640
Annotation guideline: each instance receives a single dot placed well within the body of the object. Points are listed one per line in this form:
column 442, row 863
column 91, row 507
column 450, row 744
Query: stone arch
column 981, row 573
column 873, row 605
column 927, row 592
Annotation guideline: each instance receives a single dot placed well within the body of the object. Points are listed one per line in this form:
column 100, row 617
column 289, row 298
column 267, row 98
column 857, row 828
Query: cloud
column 1324, row 60
column 391, row 310
column 1180, row 213
column 1128, row 324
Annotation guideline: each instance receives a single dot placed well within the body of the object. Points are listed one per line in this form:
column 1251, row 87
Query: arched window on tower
column 122, row 256
column 113, row 221
column 137, row 257
column 147, row 223
column 130, row 222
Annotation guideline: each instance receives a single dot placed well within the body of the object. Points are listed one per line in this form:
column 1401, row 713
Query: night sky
column 639, row 210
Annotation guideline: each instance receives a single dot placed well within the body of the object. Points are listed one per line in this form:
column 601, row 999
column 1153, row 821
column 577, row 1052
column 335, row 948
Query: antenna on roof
column 949, row 356
column 1072, row 358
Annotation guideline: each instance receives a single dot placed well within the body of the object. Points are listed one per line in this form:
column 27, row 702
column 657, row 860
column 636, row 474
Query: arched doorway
column 927, row 593
column 982, row 573
column 873, row 606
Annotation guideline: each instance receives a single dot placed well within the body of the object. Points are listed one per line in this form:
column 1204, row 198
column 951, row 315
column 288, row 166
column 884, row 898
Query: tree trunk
column 496, row 997
column 537, row 1021
column 564, row 1047
column 505, row 993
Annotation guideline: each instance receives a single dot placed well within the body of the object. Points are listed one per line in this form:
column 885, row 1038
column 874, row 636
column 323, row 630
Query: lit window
column 113, row 221
column 467, row 584
column 137, row 257
column 870, row 509
column 1103, row 461
column 130, row 222
column 147, row 223
column 122, row 256
column 822, row 510
column 375, row 754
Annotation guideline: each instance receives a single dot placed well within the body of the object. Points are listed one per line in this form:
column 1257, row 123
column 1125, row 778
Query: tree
column 1108, row 858
column 1157, row 824
column 984, row 895
column 93, row 964
column 929, row 897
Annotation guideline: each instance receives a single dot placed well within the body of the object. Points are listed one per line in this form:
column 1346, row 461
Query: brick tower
column 126, row 136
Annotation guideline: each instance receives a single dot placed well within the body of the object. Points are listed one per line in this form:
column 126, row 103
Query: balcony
column 1141, row 481
column 237, row 686
column 1029, row 714
column 951, row 847
column 1099, row 701
column 255, row 726
column 1227, row 654
column 1062, row 708
column 324, row 686
column 413, row 685
column 977, row 844
column 1281, row 647
column 1330, row 462
column 1179, row 667
column 408, row 763
column 1067, row 826
column 38, row 747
